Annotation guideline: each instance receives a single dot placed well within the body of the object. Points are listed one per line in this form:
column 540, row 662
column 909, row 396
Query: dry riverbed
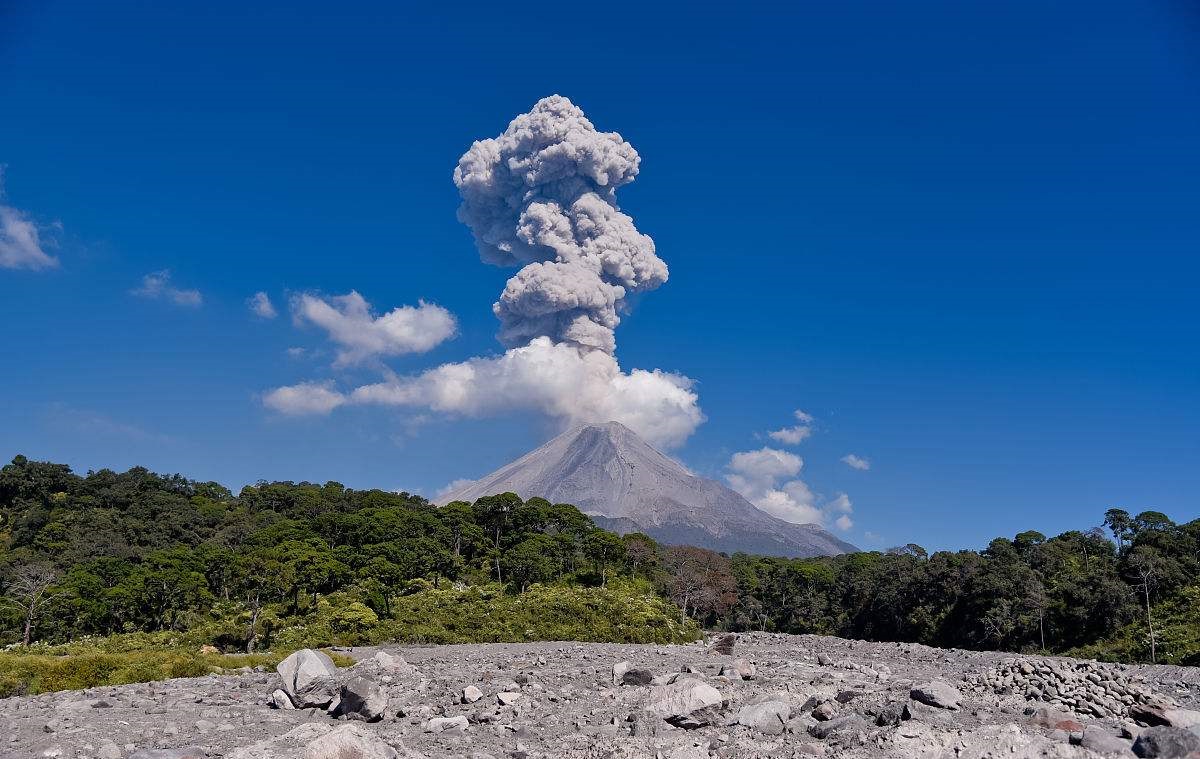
column 772, row 696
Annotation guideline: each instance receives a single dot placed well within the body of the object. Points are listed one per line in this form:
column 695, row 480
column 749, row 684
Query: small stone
column 442, row 724
column 471, row 694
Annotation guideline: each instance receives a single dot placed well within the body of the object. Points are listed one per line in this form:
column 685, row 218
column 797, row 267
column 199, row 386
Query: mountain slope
column 625, row 485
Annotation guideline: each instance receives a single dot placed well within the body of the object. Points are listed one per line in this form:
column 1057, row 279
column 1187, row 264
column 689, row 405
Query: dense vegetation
column 110, row 564
column 1132, row 598
column 283, row 565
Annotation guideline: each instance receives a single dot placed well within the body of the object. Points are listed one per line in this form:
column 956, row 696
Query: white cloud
column 305, row 398
column 768, row 479
column 796, row 434
column 761, row 469
column 856, row 462
column 350, row 323
column 791, row 435
column 157, row 286
column 449, row 488
column 260, row 303
column 556, row 380
column 21, row 246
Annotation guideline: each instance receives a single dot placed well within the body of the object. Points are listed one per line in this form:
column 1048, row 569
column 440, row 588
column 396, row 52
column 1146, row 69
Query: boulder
column 505, row 698
column 637, row 677
column 441, row 724
column 309, row 677
column 1163, row 742
column 618, row 671
column 739, row 669
column 723, row 644
column 824, row 712
column 361, row 699
column 349, row 741
column 1103, row 742
column 847, row 723
column 687, row 703
column 767, row 717
column 892, row 714
column 280, row 699
column 470, row 694
column 392, row 663
column 937, row 693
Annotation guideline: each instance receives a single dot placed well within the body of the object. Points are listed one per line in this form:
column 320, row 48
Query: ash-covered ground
column 771, row 696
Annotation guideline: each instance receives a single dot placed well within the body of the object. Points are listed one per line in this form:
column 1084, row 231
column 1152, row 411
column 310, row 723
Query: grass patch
column 29, row 674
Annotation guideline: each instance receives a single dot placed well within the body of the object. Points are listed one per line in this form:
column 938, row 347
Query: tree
column 1121, row 525
column 700, row 581
column 30, row 591
column 640, row 551
column 1151, row 521
column 261, row 578
column 492, row 513
column 603, row 548
column 531, row 560
column 1143, row 565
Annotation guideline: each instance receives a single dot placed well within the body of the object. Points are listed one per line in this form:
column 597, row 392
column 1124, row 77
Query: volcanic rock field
column 756, row 695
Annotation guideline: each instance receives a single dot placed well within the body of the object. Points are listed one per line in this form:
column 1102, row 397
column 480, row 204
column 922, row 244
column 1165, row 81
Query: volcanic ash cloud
column 542, row 196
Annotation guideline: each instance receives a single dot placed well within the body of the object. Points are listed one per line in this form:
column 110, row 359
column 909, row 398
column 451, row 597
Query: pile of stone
column 310, row 679
column 1085, row 687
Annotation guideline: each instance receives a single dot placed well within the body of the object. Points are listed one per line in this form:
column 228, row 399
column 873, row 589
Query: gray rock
column 188, row 752
column 349, row 741
column 309, row 677
column 739, row 669
column 768, row 717
column 442, row 724
column 618, row 671
column 847, row 723
column 1163, row 742
column 1103, row 742
column 109, row 750
column 892, row 714
column 280, row 700
column 824, row 712
column 470, row 694
column 361, row 699
column 937, row 693
column 687, row 703
column 723, row 644
column 637, row 677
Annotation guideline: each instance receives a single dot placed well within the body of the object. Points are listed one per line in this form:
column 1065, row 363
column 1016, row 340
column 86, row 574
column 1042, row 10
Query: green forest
column 112, row 563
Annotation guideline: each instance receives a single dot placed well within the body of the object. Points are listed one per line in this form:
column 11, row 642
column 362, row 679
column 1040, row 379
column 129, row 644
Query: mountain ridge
column 622, row 482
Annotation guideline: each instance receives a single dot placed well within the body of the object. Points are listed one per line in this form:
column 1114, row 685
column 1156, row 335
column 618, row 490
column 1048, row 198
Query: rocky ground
column 771, row 696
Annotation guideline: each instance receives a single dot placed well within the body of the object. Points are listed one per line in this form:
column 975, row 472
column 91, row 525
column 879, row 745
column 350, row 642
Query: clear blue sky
column 963, row 236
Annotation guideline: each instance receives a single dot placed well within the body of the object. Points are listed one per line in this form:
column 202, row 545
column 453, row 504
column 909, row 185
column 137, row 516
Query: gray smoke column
column 542, row 195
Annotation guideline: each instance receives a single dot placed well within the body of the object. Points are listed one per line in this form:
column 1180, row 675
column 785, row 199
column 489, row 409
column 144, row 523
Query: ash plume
column 542, row 195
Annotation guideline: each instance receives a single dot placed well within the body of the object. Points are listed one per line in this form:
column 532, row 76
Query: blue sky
column 961, row 236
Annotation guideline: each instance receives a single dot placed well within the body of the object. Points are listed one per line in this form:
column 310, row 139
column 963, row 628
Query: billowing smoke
column 542, row 195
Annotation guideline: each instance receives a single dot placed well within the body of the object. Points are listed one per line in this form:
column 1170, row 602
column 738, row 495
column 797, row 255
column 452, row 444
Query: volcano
column 625, row 485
